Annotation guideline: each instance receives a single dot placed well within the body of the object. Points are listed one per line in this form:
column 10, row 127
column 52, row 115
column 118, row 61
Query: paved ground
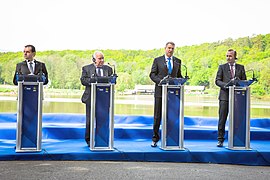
column 127, row 170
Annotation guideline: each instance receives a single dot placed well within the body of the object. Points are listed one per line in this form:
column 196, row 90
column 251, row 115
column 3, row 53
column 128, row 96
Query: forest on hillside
column 133, row 66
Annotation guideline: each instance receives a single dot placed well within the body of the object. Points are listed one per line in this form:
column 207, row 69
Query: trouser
column 223, row 113
column 87, row 127
column 157, row 118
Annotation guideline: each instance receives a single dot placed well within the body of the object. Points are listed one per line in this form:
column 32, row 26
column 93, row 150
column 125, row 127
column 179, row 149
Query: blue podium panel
column 102, row 116
column 29, row 116
column 173, row 117
column 239, row 118
column 239, row 121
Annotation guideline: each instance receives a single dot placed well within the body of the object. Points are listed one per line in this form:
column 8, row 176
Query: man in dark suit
column 96, row 69
column 166, row 65
column 226, row 72
column 30, row 66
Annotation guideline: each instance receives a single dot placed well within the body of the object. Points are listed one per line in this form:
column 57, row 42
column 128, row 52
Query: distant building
column 3, row 51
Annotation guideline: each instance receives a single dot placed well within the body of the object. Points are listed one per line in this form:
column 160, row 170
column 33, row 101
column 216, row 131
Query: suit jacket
column 89, row 71
column 159, row 70
column 22, row 68
column 224, row 76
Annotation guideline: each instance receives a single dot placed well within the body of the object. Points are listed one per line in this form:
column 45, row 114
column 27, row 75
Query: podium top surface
column 30, row 78
column 239, row 83
column 172, row 81
column 103, row 79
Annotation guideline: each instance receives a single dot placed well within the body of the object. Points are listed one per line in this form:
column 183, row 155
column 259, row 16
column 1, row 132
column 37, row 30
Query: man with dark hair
column 30, row 66
column 225, row 73
column 97, row 68
column 166, row 65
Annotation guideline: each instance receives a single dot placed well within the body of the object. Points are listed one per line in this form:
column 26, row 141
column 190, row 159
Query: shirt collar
column 28, row 61
column 100, row 67
column 166, row 57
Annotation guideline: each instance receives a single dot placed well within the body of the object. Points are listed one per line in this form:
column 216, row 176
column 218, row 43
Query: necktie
column 31, row 67
column 98, row 72
column 232, row 71
column 169, row 66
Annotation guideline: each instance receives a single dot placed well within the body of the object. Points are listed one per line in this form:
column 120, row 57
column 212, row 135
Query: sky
column 127, row 24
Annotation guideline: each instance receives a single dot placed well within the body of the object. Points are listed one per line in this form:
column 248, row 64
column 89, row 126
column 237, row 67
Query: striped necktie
column 31, row 67
column 232, row 71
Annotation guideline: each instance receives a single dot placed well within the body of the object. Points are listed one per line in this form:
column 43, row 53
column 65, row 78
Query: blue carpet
column 63, row 140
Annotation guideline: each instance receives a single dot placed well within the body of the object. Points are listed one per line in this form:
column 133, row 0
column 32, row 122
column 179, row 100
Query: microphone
column 92, row 78
column 253, row 75
column 114, row 76
column 40, row 74
column 19, row 75
column 165, row 80
column 20, row 71
column 112, row 65
column 165, row 64
column 186, row 76
column 40, row 71
column 42, row 77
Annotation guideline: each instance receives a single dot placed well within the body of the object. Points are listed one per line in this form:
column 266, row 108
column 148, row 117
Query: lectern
column 172, row 113
column 29, row 113
column 102, row 113
column 239, row 115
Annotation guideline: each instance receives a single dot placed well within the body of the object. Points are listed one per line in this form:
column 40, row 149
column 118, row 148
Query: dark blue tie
column 169, row 66
column 98, row 71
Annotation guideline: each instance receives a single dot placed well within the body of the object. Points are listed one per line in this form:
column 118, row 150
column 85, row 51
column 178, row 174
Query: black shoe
column 220, row 144
column 88, row 143
column 154, row 144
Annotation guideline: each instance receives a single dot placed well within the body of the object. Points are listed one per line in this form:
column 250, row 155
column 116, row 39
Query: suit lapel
column 227, row 70
column 175, row 66
column 25, row 69
column 105, row 71
column 92, row 70
column 37, row 67
column 236, row 70
column 164, row 63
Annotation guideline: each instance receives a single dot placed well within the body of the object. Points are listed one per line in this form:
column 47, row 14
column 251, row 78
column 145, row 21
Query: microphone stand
column 186, row 76
column 112, row 65
column 114, row 76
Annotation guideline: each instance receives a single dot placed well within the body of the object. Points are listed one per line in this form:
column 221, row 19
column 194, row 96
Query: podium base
column 239, row 148
column 22, row 150
column 101, row 149
column 173, row 148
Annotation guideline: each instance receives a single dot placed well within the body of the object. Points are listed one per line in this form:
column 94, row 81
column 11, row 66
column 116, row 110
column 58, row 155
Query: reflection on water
column 133, row 109
column 63, row 107
column 138, row 105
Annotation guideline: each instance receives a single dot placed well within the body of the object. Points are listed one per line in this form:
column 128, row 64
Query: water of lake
column 195, row 105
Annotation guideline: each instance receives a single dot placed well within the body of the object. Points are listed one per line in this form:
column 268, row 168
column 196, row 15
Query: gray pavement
column 127, row 170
